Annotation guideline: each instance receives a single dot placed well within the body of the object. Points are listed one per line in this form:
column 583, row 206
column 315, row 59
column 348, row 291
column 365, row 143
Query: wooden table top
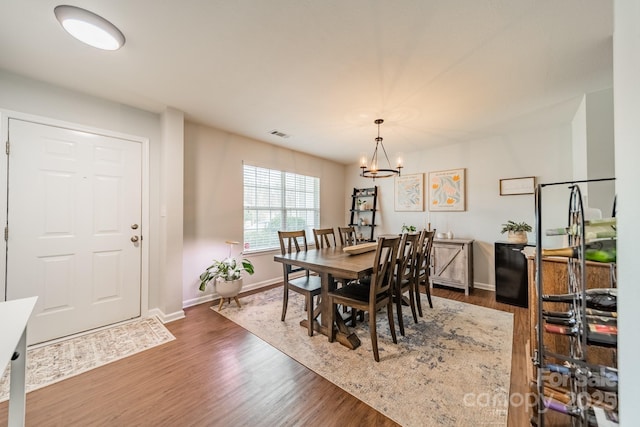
column 333, row 261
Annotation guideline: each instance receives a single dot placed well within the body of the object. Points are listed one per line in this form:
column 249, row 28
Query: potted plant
column 226, row 275
column 517, row 231
column 408, row 228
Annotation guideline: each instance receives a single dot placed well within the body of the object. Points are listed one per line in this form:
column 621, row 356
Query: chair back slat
column 407, row 254
column 347, row 236
column 383, row 266
column 323, row 237
column 423, row 258
column 291, row 241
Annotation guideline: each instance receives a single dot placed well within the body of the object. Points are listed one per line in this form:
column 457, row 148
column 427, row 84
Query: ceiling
column 321, row 71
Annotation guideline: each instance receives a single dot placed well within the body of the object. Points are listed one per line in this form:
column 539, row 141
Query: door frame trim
column 5, row 115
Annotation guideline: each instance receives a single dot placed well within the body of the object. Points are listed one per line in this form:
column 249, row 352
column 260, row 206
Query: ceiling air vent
column 278, row 133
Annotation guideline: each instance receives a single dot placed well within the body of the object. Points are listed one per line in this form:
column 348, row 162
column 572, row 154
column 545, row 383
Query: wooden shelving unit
column 363, row 217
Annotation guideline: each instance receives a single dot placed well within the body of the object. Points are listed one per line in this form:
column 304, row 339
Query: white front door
column 74, row 215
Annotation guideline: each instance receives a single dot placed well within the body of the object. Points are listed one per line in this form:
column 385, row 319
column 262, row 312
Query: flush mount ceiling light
column 89, row 28
column 372, row 170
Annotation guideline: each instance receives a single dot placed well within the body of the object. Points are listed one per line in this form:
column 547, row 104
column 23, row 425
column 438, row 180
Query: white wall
column 24, row 95
column 600, row 149
column 626, row 69
column 545, row 154
column 579, row 141
column 171, row 214
column 593, row 149
column 213, row 188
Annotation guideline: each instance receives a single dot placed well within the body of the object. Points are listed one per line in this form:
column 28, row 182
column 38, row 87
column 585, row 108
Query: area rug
column 451, row 369
column 55, row 362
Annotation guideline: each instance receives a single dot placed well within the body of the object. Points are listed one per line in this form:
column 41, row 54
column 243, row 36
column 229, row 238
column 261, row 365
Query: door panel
column 72, row 197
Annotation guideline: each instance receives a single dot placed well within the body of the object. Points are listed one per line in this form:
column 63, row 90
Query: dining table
column 331, row 263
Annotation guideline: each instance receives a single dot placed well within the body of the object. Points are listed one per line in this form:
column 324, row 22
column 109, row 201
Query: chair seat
column 356, row 291
column 311, row 284
column 365, row 281
column 354, row 294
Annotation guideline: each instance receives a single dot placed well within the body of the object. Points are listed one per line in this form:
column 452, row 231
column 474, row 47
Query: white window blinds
column 276, row 200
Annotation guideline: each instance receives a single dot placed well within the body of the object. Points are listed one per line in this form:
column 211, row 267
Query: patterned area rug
column 55, row 362
column 451, row 369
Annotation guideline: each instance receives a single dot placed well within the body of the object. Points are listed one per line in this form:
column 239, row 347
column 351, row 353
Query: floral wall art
column 409, row 193
column 447, row 190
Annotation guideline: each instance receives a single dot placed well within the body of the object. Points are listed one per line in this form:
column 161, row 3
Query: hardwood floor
column 217, row 374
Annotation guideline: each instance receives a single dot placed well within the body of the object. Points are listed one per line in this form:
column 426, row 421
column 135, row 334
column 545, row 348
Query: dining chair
column 423, row 264
column 324, row 237
column 347, row 236
column 370, row 298
column 404, row 277
column 307, row 285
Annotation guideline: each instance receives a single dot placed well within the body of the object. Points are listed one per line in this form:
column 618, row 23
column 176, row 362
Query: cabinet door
column 449, row 264
column 511, row 274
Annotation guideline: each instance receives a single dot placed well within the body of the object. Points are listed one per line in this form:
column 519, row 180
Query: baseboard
column 214, row 295
column 485, row 286
column 263, row 284
column 166, row 318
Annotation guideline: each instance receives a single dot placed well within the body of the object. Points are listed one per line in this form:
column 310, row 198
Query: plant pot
column 228, row 289
column 517, row 237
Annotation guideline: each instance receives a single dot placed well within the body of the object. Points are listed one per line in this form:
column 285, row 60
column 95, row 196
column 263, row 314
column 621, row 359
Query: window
column 276, row 200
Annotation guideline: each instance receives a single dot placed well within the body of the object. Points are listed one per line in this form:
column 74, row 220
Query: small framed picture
column 515, row 186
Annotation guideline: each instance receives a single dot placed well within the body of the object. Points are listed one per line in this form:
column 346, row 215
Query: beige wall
column 544, row 152
column 213, row 200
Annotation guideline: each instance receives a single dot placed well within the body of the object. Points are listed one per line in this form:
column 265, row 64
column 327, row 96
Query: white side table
column 14, row 316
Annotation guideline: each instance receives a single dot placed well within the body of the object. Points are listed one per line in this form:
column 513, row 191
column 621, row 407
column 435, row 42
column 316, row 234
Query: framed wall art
column 410, row 193
column 447, row 190
column 513, row 186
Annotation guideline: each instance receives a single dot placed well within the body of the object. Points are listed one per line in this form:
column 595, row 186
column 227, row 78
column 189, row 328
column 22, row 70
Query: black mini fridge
column 511, row 274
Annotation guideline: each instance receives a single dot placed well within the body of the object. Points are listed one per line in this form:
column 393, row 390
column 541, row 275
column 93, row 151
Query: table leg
column 17, row 390
column 344, row 336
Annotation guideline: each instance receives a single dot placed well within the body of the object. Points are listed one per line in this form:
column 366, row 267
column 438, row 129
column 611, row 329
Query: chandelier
column 372, row 170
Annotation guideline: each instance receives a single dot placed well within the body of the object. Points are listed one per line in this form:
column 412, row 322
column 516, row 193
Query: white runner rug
column 54, row 362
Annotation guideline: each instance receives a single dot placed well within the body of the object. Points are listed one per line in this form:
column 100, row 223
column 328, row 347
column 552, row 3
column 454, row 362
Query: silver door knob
column 134, row 226
column 134, row 239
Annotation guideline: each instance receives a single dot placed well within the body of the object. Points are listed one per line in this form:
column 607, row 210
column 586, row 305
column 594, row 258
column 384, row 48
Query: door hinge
column 7, row 147
column 6, row 234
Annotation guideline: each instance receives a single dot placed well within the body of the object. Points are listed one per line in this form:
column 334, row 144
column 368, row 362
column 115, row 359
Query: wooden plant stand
column 229, row 300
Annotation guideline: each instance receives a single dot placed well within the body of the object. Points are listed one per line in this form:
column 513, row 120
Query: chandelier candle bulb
column 374, row 171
